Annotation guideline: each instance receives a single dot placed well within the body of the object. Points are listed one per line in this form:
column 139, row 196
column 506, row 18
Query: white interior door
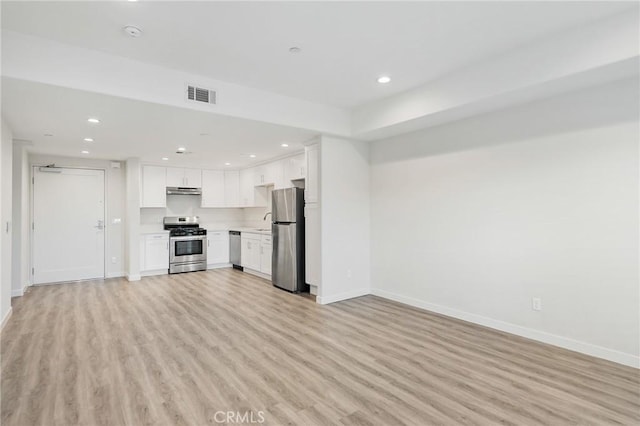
column 69, row 225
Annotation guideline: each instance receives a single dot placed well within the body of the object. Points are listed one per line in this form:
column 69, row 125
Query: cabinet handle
column 261, row 252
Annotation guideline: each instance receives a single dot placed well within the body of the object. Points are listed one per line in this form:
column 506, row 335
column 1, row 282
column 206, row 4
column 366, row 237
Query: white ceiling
column 345, row 45
column 131, row 128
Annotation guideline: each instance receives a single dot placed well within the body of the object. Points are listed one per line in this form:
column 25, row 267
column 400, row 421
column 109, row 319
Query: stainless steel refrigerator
column 287, row 262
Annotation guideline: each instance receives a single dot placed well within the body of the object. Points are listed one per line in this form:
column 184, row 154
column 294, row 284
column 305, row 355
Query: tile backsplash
column 189, row 205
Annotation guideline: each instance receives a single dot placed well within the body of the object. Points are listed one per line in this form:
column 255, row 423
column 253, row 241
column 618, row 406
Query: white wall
column 475, row 218
column 6, row 160
column 115, row 194
column 21, row 277
column 132, row 208
column 345, row 225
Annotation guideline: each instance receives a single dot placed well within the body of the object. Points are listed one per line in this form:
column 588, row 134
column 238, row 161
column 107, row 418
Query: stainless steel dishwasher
column 235, row 249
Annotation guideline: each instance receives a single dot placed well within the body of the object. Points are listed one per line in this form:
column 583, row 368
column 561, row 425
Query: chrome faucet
column 265, row 216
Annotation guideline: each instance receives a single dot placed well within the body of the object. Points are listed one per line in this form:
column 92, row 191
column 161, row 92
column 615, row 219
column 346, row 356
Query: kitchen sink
column 263, row 229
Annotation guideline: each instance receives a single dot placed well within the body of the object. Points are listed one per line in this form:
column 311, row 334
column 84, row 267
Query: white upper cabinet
column 312, row 184
column 175, row 177
column 181, row 177
column 154, row 186
column 268, row 174
column 247, row 187
column 213, row 188
column 231, row 188
column 294, row 168
column 193, row 178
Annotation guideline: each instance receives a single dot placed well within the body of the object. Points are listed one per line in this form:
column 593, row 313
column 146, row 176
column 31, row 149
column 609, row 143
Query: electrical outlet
column 536, row 304
column 114, row 260
column 349, row 273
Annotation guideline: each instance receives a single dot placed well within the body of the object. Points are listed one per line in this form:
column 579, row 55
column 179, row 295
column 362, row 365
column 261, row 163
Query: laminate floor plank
column 192, row 349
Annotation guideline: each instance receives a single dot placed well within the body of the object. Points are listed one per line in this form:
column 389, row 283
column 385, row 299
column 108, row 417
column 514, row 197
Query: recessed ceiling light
column 204, row 134
column 163, row 158
column 88, row 139
column 93, row 120
column 85, row 152
column 182, row 148
column 252, row 156
column 285, row 145
column 384, row 79
column 227, row 164
column 294, row 49
column 48, row 135
column 133, row 31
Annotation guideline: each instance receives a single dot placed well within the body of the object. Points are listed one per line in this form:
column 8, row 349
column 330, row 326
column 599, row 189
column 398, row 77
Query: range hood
column 176, row 190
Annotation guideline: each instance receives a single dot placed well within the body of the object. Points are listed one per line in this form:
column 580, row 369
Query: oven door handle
column 187, row 237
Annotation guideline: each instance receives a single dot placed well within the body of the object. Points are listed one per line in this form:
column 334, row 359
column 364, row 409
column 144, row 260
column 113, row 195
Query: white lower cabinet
column 154, row 252
column 256, row 252
column 266, row 250
column 250, row 252
column 217, row 248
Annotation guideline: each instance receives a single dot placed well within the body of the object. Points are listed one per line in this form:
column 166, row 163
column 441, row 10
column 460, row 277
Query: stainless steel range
column 187, row 244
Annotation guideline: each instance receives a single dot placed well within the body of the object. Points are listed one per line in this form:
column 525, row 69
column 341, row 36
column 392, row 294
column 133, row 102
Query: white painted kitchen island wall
column 475, row 218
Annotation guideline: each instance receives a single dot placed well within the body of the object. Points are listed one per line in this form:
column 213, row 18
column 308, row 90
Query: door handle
column 100, row 225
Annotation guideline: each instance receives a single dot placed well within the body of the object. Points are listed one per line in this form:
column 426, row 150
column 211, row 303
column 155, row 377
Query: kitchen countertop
column 252, row 231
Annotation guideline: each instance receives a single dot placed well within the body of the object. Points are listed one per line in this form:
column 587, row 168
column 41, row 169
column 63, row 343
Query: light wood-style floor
column 175, row 350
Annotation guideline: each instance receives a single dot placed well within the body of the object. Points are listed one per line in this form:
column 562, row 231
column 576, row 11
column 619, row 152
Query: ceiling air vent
column 199, row 94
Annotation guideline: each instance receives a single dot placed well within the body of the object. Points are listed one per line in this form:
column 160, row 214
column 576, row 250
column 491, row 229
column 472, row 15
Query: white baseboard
column 133, row 277
column 219, row 266
column 20, row 292
column 6, row 318
column 541, row 336
column 115, row 275
column 257, row 273
column 324, row 300
column 151, row 273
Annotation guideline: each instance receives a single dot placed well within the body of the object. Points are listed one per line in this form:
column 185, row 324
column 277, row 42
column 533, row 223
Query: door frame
column 31, row 219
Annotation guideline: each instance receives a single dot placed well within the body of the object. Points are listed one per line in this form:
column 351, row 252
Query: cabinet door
column 311, row 184
column 193, row 178
column 265, row 258
column 142, row 244
column 256, row 256
column 156, row 252
column 231, row 188
column 312, row 244
column 213, row 188
column 175, row 177
column 217, row 247
column 258, row 175
column 154, row 186
column 276, row 174
column 245, row 251
column 295, row 168
column 247, row 187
